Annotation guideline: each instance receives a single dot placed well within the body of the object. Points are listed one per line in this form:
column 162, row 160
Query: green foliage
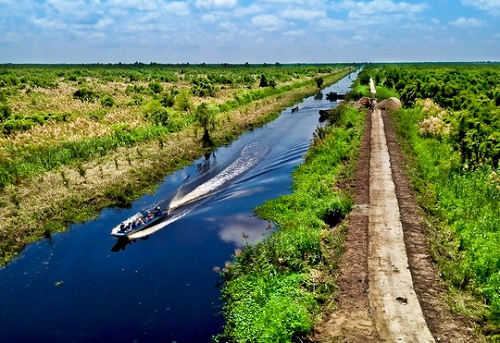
column 263, row 81
column 269, row 309
column 156, row 87
column 5, row 112
column 385, row 93
column 159, row 116
column 107, row 100
column 84, row 94
column 456, row 177
column 205, row 116
column 319, row 82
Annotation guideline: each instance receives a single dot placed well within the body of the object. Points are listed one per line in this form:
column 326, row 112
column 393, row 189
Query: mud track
column 389, row 287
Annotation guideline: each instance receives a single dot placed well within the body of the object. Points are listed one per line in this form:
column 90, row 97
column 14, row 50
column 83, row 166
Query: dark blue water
column 162, row 287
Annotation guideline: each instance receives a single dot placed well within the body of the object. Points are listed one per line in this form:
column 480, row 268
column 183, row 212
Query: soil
column 389, row 287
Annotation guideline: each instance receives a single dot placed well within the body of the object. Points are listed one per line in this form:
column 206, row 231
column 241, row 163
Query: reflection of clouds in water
column 241, row 228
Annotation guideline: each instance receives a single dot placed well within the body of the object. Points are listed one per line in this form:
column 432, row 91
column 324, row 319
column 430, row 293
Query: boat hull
column 137, row 222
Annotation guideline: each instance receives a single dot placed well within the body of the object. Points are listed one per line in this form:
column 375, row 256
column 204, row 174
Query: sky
column 241, row 31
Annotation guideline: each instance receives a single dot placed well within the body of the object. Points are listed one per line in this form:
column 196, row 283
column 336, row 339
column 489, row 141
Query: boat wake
column 183, row 204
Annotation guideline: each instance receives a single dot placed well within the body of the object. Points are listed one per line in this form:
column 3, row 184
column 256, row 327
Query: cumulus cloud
column 177, row 7
column 143, row 5
column 379, row 6
column 266, row 22
column 211, row 4
column 467, row 22
column 492, row 6
column 299, row 14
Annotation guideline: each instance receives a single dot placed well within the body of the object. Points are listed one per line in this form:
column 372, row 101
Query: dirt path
column 396, row 309
column 389, row 288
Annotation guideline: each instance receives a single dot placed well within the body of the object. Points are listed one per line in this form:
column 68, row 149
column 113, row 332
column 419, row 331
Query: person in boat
column 139, row 222
column 122, row 227
column 158, row 211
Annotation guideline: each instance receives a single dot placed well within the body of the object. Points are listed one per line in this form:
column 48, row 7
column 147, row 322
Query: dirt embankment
column 389, row 287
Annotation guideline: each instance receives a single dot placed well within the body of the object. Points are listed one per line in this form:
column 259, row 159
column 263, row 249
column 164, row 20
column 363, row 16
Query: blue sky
column 239, row 31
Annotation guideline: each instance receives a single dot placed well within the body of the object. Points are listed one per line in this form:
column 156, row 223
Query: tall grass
column 269, row 292
column 465, row 208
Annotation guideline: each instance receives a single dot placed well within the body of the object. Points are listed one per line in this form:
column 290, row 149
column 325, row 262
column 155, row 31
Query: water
column 81, row 286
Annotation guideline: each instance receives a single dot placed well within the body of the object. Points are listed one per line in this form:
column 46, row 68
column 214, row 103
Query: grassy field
column 77, row 139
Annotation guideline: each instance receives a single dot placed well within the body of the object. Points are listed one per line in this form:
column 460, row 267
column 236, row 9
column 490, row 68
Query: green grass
column 464, row 206
column 269, row 293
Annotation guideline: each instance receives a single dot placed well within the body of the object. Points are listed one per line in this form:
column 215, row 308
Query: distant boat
column 295, row 109
column 138, row 222
column 334, row 96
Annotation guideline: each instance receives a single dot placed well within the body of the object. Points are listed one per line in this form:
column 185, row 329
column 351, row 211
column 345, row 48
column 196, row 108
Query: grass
column 464, row 208
column 275, row 288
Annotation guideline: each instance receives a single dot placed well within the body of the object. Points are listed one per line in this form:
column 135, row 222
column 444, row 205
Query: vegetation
column 76, row 139
column 275, row 288
column 450, row 129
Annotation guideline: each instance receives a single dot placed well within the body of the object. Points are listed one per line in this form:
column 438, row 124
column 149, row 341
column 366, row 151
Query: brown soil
column 359, row 317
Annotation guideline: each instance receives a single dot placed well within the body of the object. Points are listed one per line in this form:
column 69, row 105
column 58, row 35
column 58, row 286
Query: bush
column 159, row 117
column 156, row 87
column 84, row 94
column 107, row 100
column 5, row 112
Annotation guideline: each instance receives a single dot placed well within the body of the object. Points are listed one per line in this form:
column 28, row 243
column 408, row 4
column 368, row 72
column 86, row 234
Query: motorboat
column 139, row 221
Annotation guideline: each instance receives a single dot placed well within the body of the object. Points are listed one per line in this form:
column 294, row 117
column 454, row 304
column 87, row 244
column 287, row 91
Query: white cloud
column 103, row 23
column 492, row 6
column 143, row 5
column 295, row 33
column 177, row 7
column 379, row 6
column 211, row 4
column 467, row 22
column 267, row 22
column 298, row 14
column 332, row 24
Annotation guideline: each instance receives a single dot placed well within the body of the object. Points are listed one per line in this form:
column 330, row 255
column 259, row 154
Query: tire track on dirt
column 355, row 318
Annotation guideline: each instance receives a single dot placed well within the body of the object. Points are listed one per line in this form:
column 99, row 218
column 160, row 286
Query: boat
column 139, row 221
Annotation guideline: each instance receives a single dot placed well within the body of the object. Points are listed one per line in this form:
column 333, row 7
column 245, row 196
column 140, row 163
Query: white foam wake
column 250, row 156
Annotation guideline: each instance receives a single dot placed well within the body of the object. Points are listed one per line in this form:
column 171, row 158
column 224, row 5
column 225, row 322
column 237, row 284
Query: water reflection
column 240, row 229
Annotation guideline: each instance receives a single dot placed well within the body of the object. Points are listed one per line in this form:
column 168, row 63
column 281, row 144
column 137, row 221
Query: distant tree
column 263, row 81
column 205, row 116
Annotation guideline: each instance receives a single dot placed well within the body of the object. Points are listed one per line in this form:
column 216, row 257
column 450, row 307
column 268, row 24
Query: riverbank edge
column 278, row 289
column 66, row 197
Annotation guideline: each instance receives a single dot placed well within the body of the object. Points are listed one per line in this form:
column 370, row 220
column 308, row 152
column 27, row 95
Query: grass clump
column 275, row 288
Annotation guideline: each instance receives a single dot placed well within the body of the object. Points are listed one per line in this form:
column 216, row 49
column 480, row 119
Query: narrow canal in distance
column 161, row 288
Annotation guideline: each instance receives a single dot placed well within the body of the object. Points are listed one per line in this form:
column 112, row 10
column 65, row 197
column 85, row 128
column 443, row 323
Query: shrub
column 107, row 100
column 5, row 112
column 84, row 94
column 156, row 87
column 159, row 116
